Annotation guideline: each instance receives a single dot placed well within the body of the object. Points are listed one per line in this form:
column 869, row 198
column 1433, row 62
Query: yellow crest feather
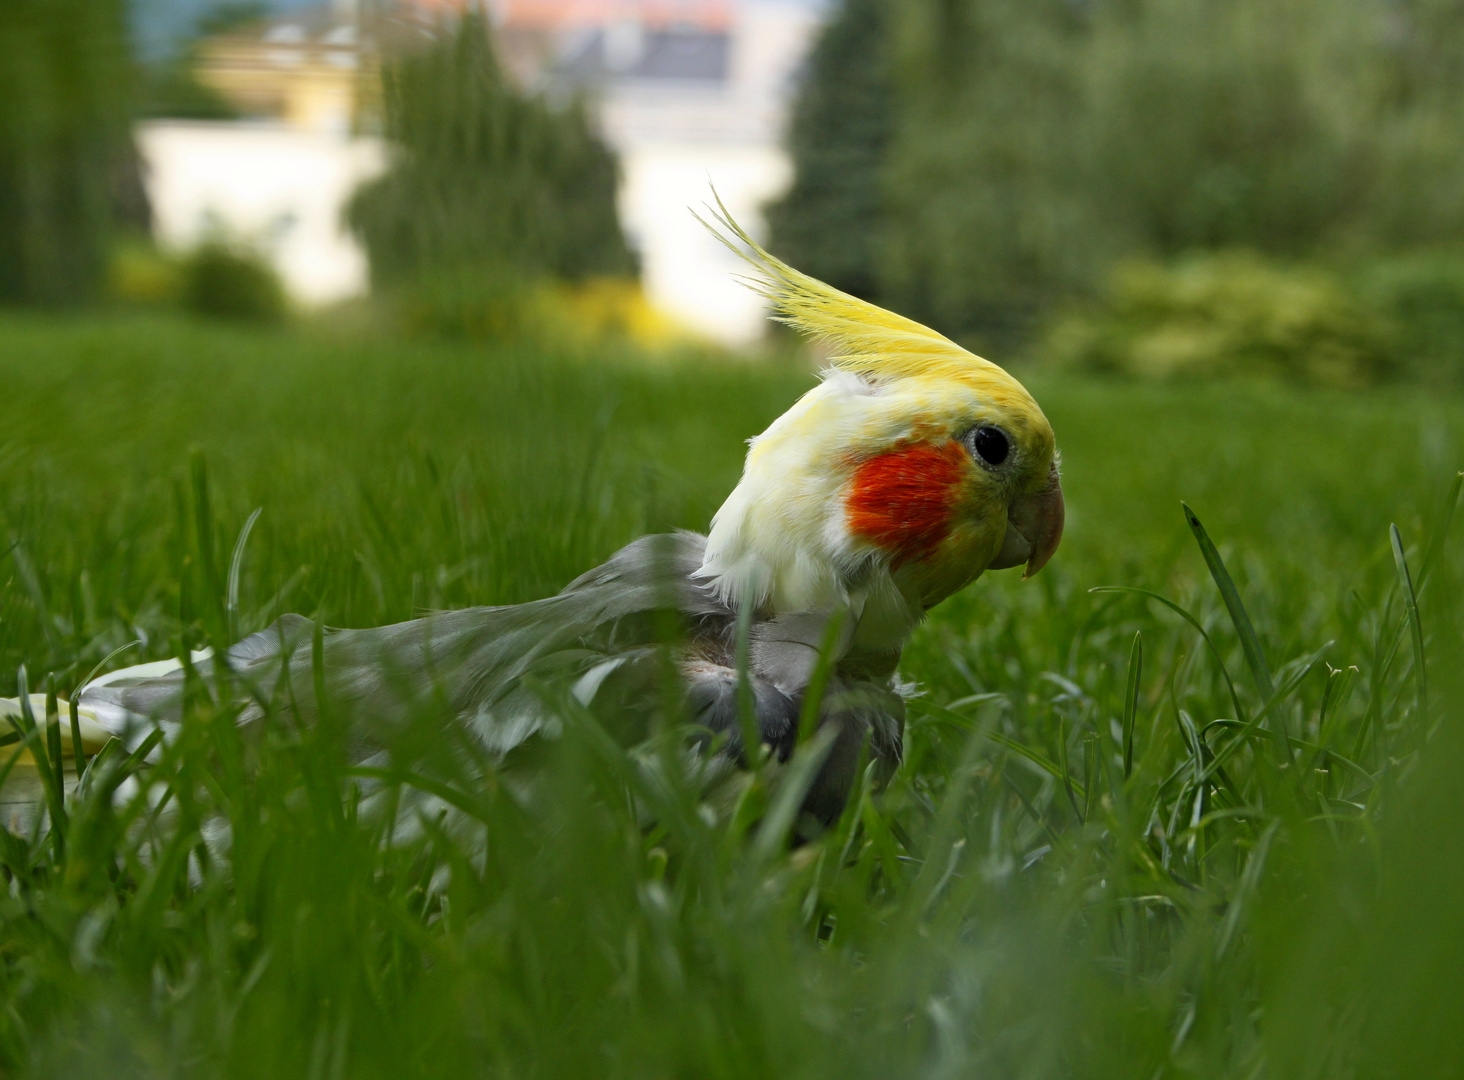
column 866, row 339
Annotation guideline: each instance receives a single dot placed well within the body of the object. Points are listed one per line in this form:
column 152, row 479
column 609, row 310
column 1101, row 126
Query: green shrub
column 1233, row 313
column 1422, row 297
column 139, row 273
column 481, row 305
column 226, row 281
column 474, row 304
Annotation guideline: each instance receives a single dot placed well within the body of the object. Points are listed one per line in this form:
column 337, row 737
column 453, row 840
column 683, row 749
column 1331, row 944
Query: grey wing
column 475, row 659
column 868, row 718
column 483, row 663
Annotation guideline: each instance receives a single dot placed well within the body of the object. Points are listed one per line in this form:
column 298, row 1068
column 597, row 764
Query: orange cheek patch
column 902, row 501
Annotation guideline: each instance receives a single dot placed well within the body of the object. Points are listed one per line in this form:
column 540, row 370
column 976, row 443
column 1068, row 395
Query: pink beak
column 1034, row 528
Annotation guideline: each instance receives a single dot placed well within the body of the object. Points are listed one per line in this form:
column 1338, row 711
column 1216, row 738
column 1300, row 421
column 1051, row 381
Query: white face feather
column 777, row 538
column 782, row 538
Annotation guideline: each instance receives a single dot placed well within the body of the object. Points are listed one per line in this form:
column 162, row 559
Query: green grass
column 1274, row 898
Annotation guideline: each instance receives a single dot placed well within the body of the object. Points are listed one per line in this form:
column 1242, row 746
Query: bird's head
column 909, row 470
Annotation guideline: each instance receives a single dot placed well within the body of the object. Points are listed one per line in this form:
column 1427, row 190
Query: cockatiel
column 911, row 468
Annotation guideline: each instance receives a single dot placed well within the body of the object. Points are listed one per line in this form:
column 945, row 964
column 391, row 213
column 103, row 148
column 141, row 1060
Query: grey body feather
column 600, row 636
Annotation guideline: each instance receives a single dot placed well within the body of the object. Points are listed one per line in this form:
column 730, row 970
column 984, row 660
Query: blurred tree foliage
column 488, row 185
column 171, row 89
column 170, row 86
column 66, row 161
column 828, row 224
column 985, row 220
column 1034, row 143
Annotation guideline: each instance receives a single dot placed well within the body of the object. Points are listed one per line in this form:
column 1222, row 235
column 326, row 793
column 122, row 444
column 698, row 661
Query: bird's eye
column 991, row 445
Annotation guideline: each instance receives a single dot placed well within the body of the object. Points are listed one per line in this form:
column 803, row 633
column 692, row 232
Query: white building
column 280, row 189
column 693, row 95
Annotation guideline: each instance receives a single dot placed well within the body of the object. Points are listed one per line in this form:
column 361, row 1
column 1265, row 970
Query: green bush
column 481, row 305
column 139, row 273
column 1233, row 313
column 1422, row 297
column 463, row 304
column 226, row 281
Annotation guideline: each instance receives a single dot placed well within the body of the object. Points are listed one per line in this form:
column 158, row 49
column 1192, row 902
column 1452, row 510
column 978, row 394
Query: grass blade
column 9, row 765
column 746, row 699
column 436, row 788
column 138, row 758
column 814, row 692
column 1294, row 680
column 31, row 579
column 938, row 712
column 1440, row 534
column 1068, row 785
column 1187, row 617
column 236, row 564
column 1339, row 688
column 78, row 755
column 772, row 833
column 203, row 526
column 1415, row 624
column 35, row 740
column 109, row 753
column 1228, row 592
column 1249, row 879
column 1131, row 701
column 1092, row 752
column 53, row 735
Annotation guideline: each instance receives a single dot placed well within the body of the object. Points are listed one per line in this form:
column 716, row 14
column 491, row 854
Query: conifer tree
column 830, row 222
column 486, row 178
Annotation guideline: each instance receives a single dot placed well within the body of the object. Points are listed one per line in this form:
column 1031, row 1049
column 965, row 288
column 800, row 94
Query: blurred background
column 1160, row 188
column 353, row 146
column 365, row 309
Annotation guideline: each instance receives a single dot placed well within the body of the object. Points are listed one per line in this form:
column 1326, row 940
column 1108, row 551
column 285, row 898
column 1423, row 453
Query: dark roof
column 679, row 54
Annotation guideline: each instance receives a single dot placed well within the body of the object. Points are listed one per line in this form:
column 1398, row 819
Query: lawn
column 1209, row 862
